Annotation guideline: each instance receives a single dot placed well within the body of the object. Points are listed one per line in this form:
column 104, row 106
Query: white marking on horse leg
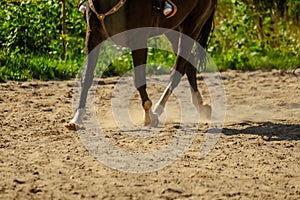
column 77, row 119
column 159, row 107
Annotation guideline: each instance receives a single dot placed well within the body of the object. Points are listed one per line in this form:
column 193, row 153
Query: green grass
column 272, row 60
column 31, row 45
column 25, row 67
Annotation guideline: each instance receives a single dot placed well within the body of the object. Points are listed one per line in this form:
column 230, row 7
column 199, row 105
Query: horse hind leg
column 182, row 45
column 203, row 109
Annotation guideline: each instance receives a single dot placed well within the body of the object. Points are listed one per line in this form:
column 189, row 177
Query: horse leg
column 92, row 41
column 176, row 73
column 139, row 57
column 185, row 46
column 175, row 78
column 203, row 110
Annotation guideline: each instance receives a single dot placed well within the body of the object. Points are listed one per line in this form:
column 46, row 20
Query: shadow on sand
column 269, row 131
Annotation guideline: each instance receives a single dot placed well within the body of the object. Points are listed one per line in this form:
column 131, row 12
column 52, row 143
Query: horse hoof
column 205, row 113
column 71, row 126
column 151, row 121
column 154, row 120
column 150, row 118
column 147, row 117
column 76, row 122
column 74, row 127
column 147, row 121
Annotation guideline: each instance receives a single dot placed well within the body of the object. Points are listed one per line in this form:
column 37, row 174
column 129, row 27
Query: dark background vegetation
column 248, row 35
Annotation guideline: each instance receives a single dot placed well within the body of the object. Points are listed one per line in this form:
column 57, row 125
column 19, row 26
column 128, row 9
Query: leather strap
column 102, row 16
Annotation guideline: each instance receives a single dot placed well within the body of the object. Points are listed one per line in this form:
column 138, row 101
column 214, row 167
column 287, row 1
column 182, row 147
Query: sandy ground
column 256, row 157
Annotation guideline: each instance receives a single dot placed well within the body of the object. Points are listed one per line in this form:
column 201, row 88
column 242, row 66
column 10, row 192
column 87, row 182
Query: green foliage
column 26, row 27
column 160, row 56
column 23, row 67
column 249, row 34
column 248, row 37
column 31, row 40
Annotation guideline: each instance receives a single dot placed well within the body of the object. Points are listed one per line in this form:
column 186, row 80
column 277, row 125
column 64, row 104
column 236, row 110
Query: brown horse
column 194, row 18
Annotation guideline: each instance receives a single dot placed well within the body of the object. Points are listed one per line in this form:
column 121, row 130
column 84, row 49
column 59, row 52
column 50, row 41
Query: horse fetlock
column 77, row 119
column 158, row 109
column 147, row 105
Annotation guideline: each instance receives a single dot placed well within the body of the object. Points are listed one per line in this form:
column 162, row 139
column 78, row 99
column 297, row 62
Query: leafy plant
column 249, row 34
column 254, row 34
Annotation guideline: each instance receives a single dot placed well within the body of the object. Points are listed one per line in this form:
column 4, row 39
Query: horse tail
column 207, row 28
column 204, row 38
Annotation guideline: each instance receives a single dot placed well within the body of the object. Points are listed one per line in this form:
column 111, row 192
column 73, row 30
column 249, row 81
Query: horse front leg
column 139, row 57
column 174, row 78
column 176, row 73
column 93, row 49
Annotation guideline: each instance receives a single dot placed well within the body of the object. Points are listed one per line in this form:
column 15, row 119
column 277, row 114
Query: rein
column 102, row 16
